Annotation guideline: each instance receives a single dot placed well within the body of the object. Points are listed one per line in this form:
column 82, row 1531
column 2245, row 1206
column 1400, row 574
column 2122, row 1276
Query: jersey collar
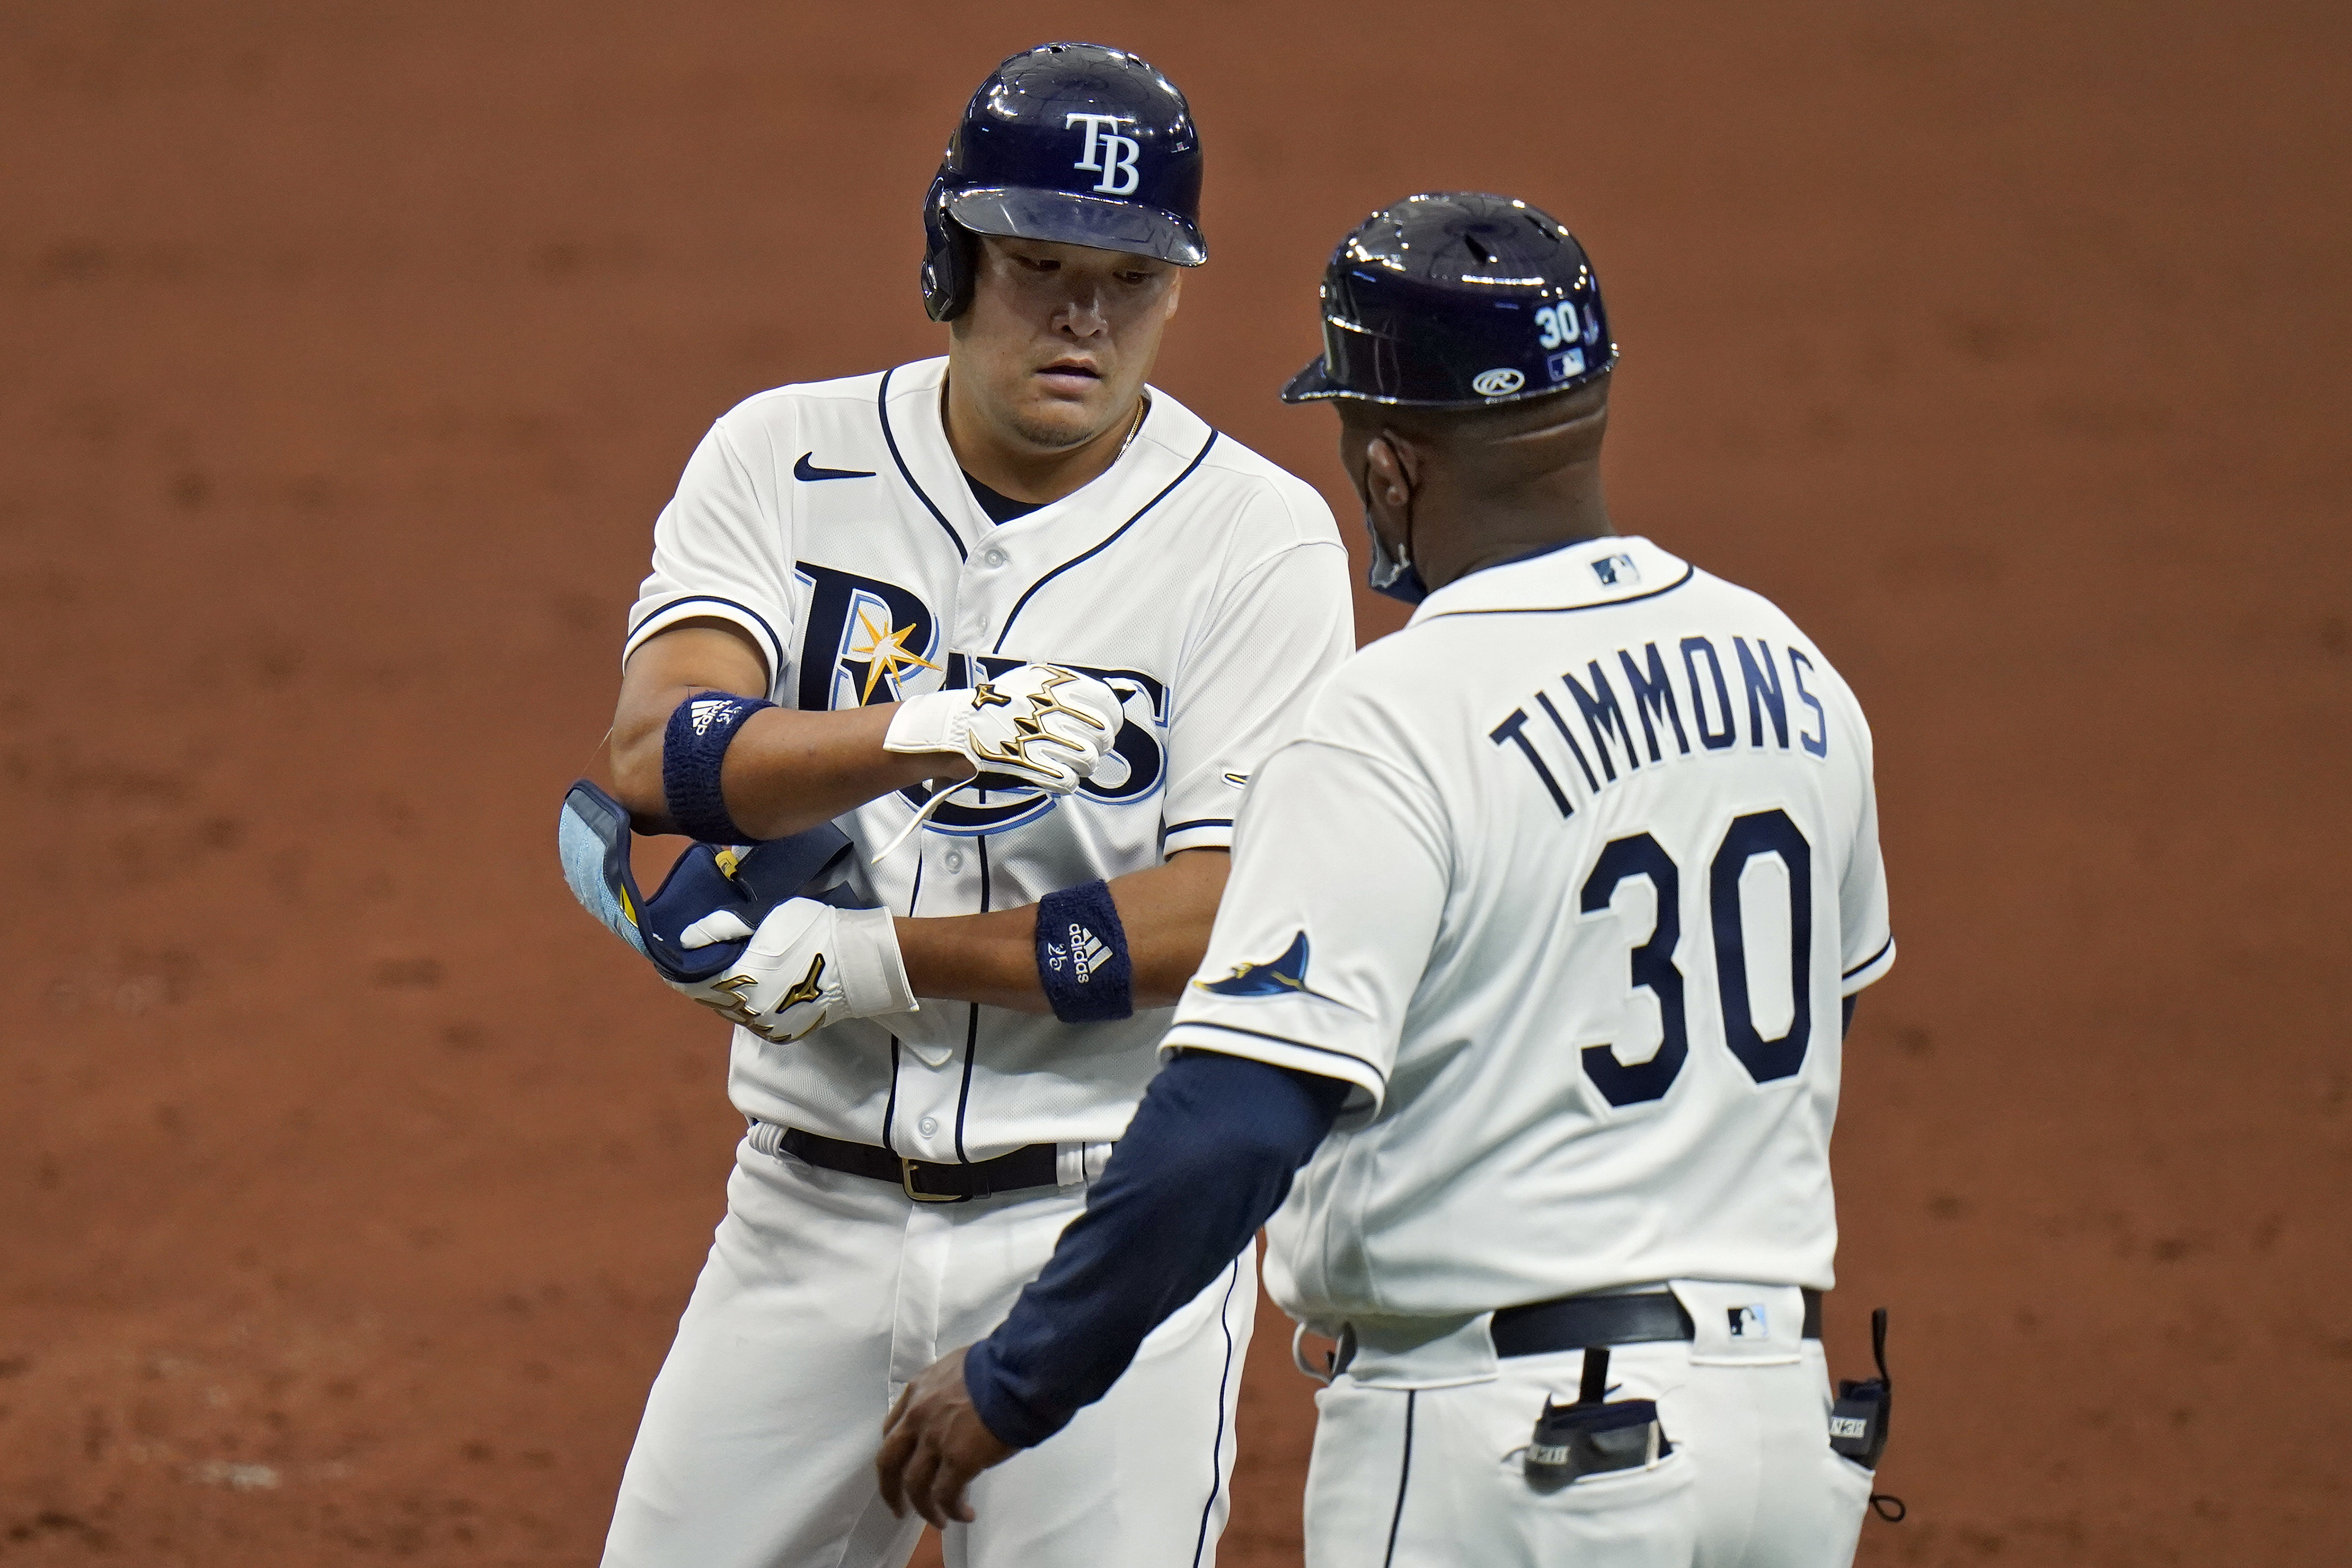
column 920, row 426
column 1613, row 570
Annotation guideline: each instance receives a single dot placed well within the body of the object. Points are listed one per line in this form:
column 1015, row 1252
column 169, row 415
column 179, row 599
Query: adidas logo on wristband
column 707, row 711
column 1088, row 950
column 1086, row 953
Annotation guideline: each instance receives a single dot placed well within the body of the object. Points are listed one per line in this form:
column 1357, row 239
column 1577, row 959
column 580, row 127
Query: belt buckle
column 906, row 1169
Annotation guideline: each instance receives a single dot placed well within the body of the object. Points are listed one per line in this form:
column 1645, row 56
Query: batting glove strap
column 1044, row 725
column 809, row 965
column 1082, row 955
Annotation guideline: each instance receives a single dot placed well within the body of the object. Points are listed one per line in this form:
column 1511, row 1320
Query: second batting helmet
column 1077, row 143
column 1457, row 300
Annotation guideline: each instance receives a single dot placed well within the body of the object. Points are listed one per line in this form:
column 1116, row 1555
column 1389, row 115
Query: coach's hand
column 933, row 1444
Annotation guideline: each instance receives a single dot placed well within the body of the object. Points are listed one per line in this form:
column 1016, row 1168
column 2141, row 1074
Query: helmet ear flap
column 948, row 263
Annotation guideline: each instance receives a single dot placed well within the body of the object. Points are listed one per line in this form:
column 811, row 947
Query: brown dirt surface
column 351, row 1182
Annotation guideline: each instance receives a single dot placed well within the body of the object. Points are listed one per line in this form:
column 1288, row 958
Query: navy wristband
column 700, row 729
column 1082, row 955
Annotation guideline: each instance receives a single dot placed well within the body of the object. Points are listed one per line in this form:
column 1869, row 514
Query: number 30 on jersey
column 1653, row 962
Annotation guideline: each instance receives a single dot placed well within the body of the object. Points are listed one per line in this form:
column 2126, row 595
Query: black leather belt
column 1038, row 1165
column 1579, row 1322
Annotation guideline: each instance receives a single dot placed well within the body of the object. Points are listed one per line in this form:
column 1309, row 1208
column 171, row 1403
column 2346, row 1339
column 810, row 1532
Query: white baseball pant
column 1431, row 1477
column 825, row 1292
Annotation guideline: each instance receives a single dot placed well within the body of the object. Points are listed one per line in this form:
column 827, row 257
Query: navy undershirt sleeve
column 1207, row 1159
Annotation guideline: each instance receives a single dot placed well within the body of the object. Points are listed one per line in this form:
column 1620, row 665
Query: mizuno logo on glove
column 810, row 987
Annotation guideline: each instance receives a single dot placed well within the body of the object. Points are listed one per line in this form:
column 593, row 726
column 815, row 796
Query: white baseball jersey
column 832, row 523
column 1568, row 878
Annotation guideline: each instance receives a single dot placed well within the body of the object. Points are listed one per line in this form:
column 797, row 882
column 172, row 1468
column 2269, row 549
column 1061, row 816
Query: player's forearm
column 992, row 959
column 785, row 772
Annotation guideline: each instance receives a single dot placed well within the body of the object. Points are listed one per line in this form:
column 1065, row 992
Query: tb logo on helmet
column 1106, row 152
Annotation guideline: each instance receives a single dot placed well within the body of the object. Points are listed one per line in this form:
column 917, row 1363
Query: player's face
column 1059, row 338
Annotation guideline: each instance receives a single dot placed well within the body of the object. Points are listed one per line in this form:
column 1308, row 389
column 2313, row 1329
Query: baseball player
column 1021, row 628
column 1532, row 969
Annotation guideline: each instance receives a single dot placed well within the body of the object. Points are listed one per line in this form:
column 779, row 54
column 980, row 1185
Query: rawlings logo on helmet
column 1498, row 383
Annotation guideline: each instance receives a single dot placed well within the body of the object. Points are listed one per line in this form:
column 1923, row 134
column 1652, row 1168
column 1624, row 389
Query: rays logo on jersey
column 1130, row 772
column 864, row 640
column 1284, row 976
column 868, row 641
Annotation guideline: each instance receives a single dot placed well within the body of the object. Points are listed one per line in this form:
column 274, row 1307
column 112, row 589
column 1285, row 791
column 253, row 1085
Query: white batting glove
column 1042, row 724
column 809, row 965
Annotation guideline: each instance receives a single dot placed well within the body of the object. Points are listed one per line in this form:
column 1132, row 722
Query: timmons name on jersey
column 1652, row 698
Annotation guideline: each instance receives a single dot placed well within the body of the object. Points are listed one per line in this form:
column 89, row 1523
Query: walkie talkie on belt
column 1858, row 1419
column 1593, row 1436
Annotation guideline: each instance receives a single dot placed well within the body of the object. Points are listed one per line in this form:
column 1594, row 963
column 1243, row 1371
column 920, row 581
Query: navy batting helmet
column 1074, row 143
column 1457, row 300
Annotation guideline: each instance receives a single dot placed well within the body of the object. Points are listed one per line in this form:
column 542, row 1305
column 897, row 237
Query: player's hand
column 933, row 1445
column 809, row 965
column 1040, row 723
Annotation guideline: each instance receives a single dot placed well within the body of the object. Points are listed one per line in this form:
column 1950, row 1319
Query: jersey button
column 993, row 558
column 955, row 861
column 928, row 1125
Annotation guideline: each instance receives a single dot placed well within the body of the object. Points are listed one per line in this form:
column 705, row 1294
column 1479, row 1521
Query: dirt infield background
column 349, row 1180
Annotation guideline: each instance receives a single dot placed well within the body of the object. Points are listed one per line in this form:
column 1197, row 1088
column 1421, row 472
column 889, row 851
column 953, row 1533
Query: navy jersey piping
column 972, row 1030
column 775, row 644
column 1217, row 1445
column 1689, row 572
column 1200, row 822
column 1280, row 1040
column 882, row 407
column 1031, row 592
column 1404, row 1477
column 1866, row 963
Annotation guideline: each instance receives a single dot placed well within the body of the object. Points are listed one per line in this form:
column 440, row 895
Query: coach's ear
column 1391, row 473
column 1392, row 470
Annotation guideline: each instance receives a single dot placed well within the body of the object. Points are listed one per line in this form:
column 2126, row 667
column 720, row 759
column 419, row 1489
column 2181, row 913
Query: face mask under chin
column 1397, row 579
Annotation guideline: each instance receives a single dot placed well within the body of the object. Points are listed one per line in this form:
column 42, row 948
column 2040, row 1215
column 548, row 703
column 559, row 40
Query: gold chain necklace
column 1143, row 407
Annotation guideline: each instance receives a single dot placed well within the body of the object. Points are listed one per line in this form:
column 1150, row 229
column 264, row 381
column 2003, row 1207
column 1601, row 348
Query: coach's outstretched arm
column 1209, row 1156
